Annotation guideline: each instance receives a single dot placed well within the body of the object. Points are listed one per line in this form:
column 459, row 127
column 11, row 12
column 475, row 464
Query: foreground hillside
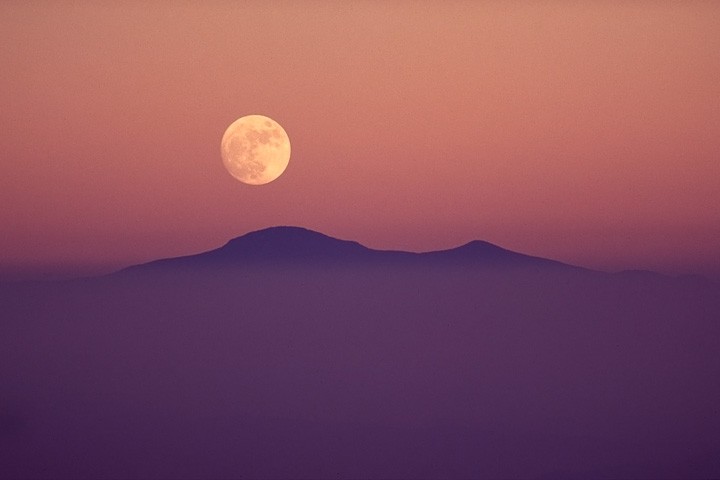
column 291, row 354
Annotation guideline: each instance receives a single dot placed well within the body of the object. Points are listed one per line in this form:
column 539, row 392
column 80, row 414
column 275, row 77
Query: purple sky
column 586, row 132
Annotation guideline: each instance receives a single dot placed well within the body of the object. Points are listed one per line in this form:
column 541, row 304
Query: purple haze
column 289, row 354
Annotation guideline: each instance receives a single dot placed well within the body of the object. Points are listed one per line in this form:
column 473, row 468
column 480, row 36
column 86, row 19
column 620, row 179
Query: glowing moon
column 255, row 149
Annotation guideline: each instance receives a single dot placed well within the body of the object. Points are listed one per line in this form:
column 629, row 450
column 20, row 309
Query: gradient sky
column 587, row 132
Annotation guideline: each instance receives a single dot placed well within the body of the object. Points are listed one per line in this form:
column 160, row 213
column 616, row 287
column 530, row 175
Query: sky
column 587, row 132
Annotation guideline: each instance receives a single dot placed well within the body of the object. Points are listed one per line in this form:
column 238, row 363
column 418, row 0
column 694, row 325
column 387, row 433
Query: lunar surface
column 255, row 149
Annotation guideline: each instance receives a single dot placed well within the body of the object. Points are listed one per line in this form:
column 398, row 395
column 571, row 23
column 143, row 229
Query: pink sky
column 587, row 132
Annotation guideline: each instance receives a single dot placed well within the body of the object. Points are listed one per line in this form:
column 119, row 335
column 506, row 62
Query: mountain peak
column 287, row 242
column 480, row 246
column 280, row 234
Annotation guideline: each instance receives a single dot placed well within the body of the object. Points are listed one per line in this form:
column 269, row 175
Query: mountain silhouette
column 296, row 245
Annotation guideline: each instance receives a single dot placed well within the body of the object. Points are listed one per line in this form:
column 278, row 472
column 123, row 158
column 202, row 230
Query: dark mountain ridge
column 297, row 245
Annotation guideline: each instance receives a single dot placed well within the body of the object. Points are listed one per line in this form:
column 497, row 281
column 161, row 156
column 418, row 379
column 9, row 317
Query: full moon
column 255, row 149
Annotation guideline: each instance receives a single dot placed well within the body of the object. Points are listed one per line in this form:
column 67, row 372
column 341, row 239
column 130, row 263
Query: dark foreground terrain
column 290, row 354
